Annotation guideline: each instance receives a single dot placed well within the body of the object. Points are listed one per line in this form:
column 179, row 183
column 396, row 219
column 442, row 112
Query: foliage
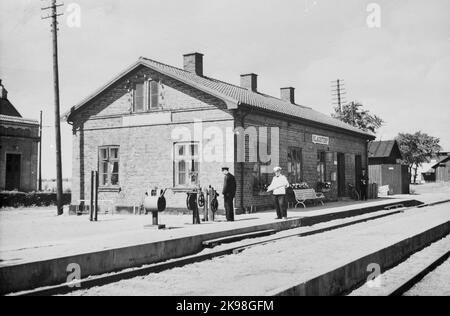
column 300, row 186
column 21, row 199
column 323, row 186
column 417, row 149
column 354, row 114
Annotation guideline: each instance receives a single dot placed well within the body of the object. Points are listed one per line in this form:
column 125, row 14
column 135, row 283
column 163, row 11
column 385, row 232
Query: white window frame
column 189, row 160
column 147, row 106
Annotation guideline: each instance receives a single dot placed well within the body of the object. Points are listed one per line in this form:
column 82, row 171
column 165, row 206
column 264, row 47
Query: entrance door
column 12, row 172
column 358, row 172
column 341, row 174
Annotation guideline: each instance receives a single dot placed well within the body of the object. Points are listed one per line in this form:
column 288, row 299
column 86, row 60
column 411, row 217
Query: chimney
column 288, row 94
column 194, row 63
column 3, row 91
column 249, row 82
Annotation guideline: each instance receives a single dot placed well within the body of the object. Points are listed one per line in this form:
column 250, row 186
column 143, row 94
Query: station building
column 19, row 139
column 133, row 131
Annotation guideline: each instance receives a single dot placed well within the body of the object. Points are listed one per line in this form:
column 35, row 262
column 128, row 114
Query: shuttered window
column 146, row 96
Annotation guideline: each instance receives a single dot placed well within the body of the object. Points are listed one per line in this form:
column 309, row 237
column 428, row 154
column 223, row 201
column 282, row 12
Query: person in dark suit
column 229, row 192
column 364, row 182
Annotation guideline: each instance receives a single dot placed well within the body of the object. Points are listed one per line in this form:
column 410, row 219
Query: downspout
column 242, row 121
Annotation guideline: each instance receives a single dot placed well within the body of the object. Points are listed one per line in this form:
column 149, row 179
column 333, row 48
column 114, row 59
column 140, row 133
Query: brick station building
column 125, row 130
column 19, row 138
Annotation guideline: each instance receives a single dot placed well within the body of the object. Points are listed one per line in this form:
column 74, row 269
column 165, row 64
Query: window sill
column 262, row 193
column 159, row 109
column 115, row 189
column 183, row 189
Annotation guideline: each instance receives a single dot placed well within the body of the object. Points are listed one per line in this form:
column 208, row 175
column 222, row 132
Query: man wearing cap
column 278, row 187
column 229, row 192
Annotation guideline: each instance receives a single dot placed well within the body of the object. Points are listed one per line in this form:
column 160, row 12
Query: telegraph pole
column 54, row 16
column 338, row 93
column 40, row 154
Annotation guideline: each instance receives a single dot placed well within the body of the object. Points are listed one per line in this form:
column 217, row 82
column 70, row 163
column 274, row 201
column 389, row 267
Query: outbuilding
column 159, row 126
column 442, row 170
column 386, row 168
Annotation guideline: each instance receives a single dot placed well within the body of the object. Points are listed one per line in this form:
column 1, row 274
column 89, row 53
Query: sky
column 398, row 68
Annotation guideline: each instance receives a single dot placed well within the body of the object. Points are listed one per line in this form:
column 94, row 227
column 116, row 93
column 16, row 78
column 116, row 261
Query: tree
column 354, row 114
column 417, row 149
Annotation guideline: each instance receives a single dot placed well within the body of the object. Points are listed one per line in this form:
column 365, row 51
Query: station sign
column 322, row 140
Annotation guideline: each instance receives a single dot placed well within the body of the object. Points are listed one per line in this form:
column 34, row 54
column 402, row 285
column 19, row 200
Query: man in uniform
column 229, row 192
column 364, row 182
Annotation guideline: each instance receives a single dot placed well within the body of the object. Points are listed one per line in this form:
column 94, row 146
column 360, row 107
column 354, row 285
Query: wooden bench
column 307, row 194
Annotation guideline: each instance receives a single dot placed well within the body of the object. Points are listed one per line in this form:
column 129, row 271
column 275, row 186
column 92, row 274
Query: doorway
column 12, row 172
column 358, row 172
column 341, row 174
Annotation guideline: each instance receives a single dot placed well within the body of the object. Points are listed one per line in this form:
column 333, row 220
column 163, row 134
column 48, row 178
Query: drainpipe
column 241, row 117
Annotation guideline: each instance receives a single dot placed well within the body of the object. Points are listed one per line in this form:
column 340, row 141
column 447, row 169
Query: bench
column 301, row 196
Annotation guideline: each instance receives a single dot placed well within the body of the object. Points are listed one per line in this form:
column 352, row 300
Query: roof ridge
column 224, row 82
column 232, row 95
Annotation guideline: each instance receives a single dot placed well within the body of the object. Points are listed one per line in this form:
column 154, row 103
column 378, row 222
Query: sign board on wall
column 323, row 140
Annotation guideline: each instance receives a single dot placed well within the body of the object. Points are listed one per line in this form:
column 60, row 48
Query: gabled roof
column 17, row 119
column 382, row 149
column 232, row 95
column 442, row 161
column 6, row 108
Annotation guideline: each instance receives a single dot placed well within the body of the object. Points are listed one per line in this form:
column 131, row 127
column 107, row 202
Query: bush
column 21, row 199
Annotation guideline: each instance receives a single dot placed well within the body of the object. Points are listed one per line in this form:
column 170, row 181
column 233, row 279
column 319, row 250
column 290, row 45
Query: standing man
column 229, row 192
column 278, row 187
column 364, row 182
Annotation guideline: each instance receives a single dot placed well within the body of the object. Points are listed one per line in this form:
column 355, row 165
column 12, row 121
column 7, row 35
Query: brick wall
column 294, row 134
column 145, row 150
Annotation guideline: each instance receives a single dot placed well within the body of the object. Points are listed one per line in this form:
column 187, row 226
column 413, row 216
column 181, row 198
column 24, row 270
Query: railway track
column 96, row 281
column 418, row 277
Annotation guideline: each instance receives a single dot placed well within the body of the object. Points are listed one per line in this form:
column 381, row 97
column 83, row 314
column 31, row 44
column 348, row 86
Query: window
column 295, row 162
column 261, row 180
column 261, row 174
column 109, row 166
column 153, row 92
column 187, row 165
column 146, row 96
column 321, row 166
column 139, row 97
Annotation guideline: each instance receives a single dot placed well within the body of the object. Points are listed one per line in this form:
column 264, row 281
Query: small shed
column 386, row 168
column 442, row 170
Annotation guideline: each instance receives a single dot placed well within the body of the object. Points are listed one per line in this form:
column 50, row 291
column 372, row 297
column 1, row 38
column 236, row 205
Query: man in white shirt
column 278, row 187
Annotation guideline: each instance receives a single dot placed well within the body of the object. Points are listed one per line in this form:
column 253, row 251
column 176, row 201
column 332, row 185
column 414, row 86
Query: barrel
column 155, row 203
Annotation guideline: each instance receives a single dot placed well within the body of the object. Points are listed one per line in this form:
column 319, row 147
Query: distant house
column 386, row 168
column 19, row 139
column 427, row 171
column 442, row 170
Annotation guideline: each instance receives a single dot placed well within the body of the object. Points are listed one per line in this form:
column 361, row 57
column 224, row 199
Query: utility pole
column 54, row 16
column 40, row 155
column 338, row 93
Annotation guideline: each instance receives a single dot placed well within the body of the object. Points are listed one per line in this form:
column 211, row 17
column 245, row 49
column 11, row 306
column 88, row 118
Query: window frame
column 321, row 166
column 148, row 96
column 295, row 164
column 110, row 162
column 191, row 164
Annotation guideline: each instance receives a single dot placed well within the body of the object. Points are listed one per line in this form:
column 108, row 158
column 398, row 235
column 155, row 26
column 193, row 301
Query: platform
column 120, row 242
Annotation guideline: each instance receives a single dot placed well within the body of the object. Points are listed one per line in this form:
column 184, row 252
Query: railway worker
column 229, row 192
column 278, row 187
column 364, row 182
